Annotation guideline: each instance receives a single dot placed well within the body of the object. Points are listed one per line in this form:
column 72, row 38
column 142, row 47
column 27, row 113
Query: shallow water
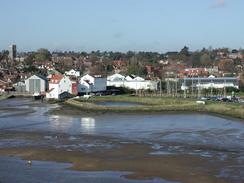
column 118, row 104
column 202, row 135
column 194, row 129
column 47, row 172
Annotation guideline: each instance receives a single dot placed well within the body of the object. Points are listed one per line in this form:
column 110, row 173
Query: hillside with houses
column 64, row 74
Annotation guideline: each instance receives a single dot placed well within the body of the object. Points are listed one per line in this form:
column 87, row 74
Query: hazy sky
column 121, row 25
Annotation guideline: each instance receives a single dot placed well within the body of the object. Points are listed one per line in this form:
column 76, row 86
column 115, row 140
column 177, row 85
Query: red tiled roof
column 56, row 78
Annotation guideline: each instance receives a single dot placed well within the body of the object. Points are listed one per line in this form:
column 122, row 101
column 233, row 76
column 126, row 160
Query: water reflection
column 88, row 124
column 63, row 123
column 72, row 125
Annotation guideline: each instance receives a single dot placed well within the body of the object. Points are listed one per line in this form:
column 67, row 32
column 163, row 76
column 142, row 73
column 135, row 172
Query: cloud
column 218, row 4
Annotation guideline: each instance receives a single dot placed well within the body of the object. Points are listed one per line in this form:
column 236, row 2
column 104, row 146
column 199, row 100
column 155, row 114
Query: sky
column 121, row 25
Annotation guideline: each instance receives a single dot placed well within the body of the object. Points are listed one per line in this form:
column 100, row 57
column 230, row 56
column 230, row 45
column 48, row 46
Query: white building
column 210, row 82
column 20, row 86
column 131, row 82
column 73, row 72
column 235, row 55
column 36, row 84
column 116, row 77
column 59, row 87
column 134, row 78
column 90, row 83
column 116, row 80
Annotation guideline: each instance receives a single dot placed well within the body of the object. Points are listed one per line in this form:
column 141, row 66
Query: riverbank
column 7, row 96
column 157, row 105
column 4, row 96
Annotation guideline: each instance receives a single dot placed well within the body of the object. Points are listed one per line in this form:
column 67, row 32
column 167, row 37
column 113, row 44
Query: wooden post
column 160, row 89
column 184, row 87
column 211, row 88
column 224, row 88
column 176, row 87
column 199, row 88
column 168, row 92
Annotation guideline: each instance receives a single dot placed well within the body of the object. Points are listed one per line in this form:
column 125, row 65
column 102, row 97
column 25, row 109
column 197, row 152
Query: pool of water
column 118, row 104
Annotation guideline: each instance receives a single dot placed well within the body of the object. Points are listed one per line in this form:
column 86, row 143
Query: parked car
column 204, row 98
column 225, row 100
column 241, row 101
column 235, row 99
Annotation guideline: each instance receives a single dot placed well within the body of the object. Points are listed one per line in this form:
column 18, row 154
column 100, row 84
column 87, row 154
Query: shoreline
column 158, row 106
column 75, row 111
column 3, row 97
column 149, row 105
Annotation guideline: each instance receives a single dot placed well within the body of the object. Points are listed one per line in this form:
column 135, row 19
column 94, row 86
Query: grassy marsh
column 157, row 104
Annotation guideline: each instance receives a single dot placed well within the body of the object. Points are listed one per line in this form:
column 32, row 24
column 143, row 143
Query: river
column 161, row 147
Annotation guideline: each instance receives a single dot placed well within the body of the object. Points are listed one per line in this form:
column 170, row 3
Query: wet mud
column 171, row 147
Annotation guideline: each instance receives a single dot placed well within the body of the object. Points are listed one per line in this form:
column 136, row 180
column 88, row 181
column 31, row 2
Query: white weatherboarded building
column 59, row 87
column 88, row 84
column 73, row 72
column 116, row 80
column 36, row 84
column 20, row 87
column 131, row 82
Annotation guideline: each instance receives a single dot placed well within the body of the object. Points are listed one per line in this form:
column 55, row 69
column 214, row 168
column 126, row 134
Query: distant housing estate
column 79, row 73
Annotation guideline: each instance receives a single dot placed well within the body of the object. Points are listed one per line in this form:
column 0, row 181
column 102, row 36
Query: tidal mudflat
column 151, row 147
